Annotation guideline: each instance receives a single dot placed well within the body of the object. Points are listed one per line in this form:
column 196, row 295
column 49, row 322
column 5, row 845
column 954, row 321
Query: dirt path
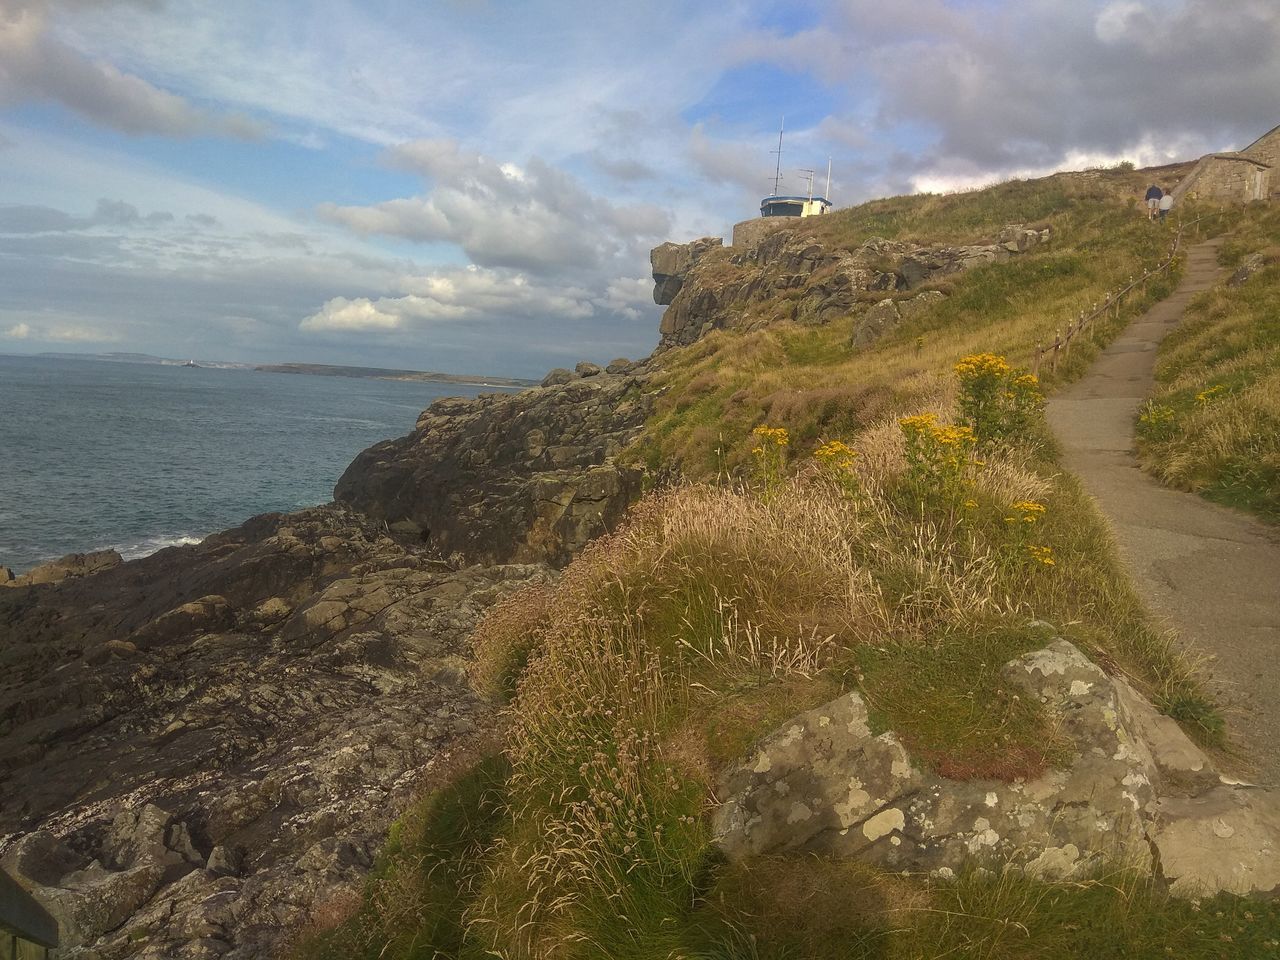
column 1213, row 572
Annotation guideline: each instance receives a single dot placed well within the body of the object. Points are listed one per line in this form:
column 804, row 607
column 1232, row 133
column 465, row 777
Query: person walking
column 1166, row 204
column 1154, row 194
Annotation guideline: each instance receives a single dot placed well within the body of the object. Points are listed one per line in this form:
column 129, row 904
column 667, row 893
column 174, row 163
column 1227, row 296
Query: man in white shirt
column 1166, row 204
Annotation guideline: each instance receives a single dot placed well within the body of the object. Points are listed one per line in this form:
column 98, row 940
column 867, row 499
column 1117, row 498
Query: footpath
column 1212, row 573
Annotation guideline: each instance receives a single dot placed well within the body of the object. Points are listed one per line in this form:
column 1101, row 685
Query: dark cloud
column 1002, row 87
column 25, row 219
column 36, row 65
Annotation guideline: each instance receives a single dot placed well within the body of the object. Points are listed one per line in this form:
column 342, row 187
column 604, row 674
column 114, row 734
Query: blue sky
column 474, row 185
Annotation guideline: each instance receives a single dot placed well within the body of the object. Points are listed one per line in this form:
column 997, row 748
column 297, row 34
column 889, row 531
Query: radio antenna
column 777, row 173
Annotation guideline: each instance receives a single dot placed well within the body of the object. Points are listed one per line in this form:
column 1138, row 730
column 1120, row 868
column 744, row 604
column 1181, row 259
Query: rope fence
column 1111, row 304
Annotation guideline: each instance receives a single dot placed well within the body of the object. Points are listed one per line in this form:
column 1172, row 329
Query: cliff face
column 508, row 478
column 710, row 288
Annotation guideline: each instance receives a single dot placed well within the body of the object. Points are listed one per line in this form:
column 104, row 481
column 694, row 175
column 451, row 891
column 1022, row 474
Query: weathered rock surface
column 196, row 746
column 671, row 262
column 1138, row 791
column 72, row 565
column 819, row 283
column 525, row 477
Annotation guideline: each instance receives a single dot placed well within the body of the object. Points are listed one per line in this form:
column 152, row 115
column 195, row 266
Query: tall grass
column 1213, row 425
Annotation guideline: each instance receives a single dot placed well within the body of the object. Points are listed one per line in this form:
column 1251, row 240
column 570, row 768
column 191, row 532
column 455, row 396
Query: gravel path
column 1212, row 572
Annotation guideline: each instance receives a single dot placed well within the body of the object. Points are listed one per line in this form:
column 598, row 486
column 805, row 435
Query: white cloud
column 59, row 332
column 341, row 314
column 529, row 216
column 36, row 65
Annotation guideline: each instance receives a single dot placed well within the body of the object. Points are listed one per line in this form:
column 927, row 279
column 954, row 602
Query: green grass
column 953, row 710
column 1213, row 425
column 813, row 909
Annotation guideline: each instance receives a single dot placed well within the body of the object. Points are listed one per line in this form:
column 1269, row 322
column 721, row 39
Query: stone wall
column 1228, row 180
column 750, row 232
column 1266, row 149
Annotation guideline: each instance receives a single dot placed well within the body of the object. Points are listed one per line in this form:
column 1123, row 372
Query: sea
column 141, row 456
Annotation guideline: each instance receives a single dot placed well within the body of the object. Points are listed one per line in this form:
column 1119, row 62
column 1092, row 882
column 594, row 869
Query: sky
column 473, row 186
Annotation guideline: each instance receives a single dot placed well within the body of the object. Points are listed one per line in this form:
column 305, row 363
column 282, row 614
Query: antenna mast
column 827, row 195
column 809, row 174
column 777, row 173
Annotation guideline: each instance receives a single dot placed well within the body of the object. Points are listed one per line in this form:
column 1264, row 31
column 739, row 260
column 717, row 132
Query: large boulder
column 1137, row 792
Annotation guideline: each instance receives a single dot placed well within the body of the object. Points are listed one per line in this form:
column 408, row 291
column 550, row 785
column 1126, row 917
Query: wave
column 149, row 545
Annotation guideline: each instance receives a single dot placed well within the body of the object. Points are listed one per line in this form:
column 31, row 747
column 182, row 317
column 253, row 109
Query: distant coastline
column 312, row 369
column 379, row 373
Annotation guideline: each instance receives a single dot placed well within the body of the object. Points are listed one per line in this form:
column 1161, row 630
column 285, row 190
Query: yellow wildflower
column 1042, row 554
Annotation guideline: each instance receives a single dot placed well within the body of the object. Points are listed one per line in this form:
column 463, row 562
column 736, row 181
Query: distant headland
column 314, row 369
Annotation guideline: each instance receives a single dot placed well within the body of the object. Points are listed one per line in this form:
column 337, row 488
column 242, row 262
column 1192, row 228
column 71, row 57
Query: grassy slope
column 724, row 608
column 1213, row 425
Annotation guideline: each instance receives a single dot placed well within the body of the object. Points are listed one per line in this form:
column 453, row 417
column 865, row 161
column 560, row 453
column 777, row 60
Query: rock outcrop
column 72, row 565
column 1137, row 792
column 525, row 477
column 198, row 746
column 816, row 283
column 671, row 263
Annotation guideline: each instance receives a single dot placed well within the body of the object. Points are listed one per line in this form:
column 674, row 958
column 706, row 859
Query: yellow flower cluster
column 1205, row 396
column 946, row 434
column 978, row 365
column 1042, row 554
column 1031, row 511
column 1026, row 381
column 836, row 454
column 773, row 435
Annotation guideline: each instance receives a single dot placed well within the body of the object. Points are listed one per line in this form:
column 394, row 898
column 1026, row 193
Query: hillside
column 793, row 639
column 803, row 702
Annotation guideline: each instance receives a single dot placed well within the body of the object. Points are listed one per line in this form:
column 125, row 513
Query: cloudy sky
column 474, row 185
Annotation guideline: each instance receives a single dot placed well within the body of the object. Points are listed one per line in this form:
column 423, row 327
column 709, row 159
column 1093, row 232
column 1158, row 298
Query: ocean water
column 135, row 456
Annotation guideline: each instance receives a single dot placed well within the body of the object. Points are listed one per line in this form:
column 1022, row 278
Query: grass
column 1213, row 425
column 810, row 381
column 776, row 580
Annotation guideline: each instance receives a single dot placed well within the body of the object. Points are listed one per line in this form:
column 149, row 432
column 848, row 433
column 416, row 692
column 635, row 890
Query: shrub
column 1000, row 403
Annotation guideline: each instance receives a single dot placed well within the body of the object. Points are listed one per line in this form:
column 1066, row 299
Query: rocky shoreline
column 199, row 748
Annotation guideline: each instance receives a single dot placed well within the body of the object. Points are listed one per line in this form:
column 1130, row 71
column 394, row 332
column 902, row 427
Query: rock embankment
column 527, row 477
column 197, row 747
column 708, row 287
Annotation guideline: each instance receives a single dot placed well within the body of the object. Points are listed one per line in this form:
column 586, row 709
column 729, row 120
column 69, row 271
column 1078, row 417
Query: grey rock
column 875, row 323
column 1250, row 266
column 558, row 376
column 587, row 369
column 522, row 478
column 254, row 733
column 822, row 783
column 815, row 283
column 619, row 365
column 671, row 262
